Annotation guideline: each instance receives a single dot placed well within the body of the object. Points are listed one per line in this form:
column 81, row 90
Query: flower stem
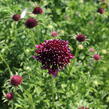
column 76, row 54
column 53, row 93
column 6, row 64
column 32, row 37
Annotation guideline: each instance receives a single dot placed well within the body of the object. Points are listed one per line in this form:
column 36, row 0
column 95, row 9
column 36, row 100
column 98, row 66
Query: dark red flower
column 16, row 17
column 16, row 80
column 37, row 10
column 54, row 72
column 31, row 22
column 9, row 96
column 54, row 55
column 54, row 34
column 83, row 107
column 101, row 10
column 80, row 37
column 96, row 57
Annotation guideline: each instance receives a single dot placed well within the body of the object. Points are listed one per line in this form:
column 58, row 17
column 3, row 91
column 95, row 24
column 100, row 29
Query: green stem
column 76, row 54
column 6, row 64
column 53, row 92
column 94, row 68
column 32, row 37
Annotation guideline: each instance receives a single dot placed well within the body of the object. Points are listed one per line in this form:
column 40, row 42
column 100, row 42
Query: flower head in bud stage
column 37, row 10
column 54, row 34
column 91, row 49
column 16, row 17
column 96, row 57
column 54, row 55
column 62, row 31
column 83, row 107
column 9, row 96
column 101, row 10
column 16, row 80
column 80, row 47
column 31, row 22
column 50, row 26
column 104, row 51
column 80, row 37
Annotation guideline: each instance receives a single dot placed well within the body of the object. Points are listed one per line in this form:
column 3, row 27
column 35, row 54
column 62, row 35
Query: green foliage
column 84, row 82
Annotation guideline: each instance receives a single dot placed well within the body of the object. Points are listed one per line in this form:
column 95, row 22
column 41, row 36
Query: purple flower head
column 9, row 96
column 54, row 34
column 83, row 107
column 37, row 10
column 80, row 37
column 101, row 10
column 16, row 80
column 16, row 17
column 34, row 57
column 53, row 72
column 96, row 57
column 54, row 55
column 31, row 22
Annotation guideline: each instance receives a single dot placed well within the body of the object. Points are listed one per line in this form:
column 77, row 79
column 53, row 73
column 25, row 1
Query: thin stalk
column 32, row 37
column 6, row 64
column 53, row 93
column 76, row 54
